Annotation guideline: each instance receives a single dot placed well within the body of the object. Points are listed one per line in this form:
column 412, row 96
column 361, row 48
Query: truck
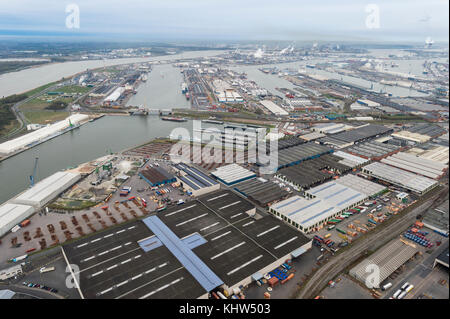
column 341, row 231
column 25, row 223
column 372, row 221
column 20, row 258
column 387, row 286
column 397, row 293
column 46, row 269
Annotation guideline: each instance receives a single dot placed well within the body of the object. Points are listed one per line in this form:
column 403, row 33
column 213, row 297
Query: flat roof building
column 184, row 252
column 324, row 202
column 272, row 107
column 396, row 176
column 13, row 214
column 46, row 190
column 232, row 174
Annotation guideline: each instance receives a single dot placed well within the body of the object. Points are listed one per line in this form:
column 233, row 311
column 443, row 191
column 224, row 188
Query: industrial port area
column 210, row 172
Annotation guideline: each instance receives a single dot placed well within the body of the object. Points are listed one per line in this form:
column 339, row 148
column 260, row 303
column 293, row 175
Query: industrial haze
column 224, row 150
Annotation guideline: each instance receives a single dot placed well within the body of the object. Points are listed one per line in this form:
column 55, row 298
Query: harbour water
column 28, row 79
column 162, row 90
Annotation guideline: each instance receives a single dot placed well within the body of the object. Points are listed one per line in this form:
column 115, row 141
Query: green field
column 45, row 117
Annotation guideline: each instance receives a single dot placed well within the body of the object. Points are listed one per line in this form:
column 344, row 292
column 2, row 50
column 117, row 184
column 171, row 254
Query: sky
column 401, row 21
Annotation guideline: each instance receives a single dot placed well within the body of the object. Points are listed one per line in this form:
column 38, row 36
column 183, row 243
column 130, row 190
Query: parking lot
column 381, row 208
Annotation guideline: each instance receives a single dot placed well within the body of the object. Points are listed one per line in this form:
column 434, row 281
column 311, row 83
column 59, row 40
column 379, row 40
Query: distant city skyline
column 402, row 21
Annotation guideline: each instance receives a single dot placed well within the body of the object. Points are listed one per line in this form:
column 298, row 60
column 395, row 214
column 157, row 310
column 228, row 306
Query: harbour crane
column 33, row 177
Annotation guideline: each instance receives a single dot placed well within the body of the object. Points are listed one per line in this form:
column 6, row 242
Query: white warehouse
column 13, row 214
column 41, row 134
column 46, row 190
column 325, row 202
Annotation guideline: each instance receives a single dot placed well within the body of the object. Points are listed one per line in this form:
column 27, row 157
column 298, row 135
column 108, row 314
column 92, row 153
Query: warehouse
column 437, row 218
column 312, row 136
column 313, row 172
column 331, row 128
column 388, row 259
column 399, row 177
column 157, row 176
column 232, row 174
column 413, row 164
column 436, row 153
column 37, row 136
column 194, row 180
column 360, row 134
column 184, row 252
column 412, row 137
column 373, row 150
column 13, row 214
column 297, row 154
column 272, row 107
column 361, row 184
column 323, row 203
column 261, row 191
column 350, row 160
column 46, row 190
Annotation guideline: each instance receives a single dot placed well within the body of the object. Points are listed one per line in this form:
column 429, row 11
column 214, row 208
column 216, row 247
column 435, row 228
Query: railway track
column 338, row 263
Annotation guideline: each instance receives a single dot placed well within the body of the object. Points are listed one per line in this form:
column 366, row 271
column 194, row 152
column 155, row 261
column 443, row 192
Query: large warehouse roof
column 399, row 177
column 38, row 135
column 12, row 214
column 46, row 190
column 232, row 174
column 136, row 261
column 421, row 166
column 350, row 160
column 388, row 259
column 272, row 107
column 327, row 200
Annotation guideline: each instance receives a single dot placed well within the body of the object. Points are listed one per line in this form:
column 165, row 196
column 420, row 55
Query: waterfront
column 28, row 79
column 92, row 140
column 162, row 90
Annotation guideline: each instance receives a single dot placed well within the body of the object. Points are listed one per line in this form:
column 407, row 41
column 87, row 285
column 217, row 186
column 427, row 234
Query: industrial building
column 312, row 136
column 13, row 214
column 331, row 128
column 156, row 176
column 41, row 135
column 442, row 259
column 396, row 176
column 46, row 190
column 184, row 252
column 373, row 150
column 388, row 259
column 360, row 134
column 194, row 180
column 273, row 108
column 296, row 154
column 324, row 202
column 261, row 191
column 313, row 172
column 413, row 164
column 437, row 218
column 436, row 153
column 350, row 160
column 232, row 174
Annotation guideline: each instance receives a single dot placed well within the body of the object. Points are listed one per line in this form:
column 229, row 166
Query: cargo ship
column 173, row 119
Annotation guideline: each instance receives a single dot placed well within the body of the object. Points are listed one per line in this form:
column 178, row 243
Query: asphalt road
column 331, row 269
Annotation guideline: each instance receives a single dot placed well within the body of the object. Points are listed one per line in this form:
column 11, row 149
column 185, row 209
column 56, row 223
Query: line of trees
column 6, row 115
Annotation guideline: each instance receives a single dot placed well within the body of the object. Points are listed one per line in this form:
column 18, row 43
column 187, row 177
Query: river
column 90, row 141
column 28, row 79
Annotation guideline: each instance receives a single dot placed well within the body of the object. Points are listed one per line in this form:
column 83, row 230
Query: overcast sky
column 338, row 20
